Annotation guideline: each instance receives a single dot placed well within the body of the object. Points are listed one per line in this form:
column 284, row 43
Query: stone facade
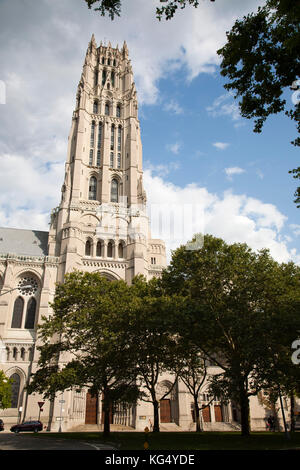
column 100, row 225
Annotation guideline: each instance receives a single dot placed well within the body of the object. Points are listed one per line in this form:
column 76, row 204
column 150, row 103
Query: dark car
column 1, row 425
column 34, row 426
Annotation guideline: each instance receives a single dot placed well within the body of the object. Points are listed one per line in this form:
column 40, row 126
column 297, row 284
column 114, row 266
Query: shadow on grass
column 186, row 440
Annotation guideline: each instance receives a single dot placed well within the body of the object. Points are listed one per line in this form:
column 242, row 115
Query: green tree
column 5, row 391
column 113, row 7
column 157, row 348
column 234, row 297
column 193, row 373
column 261, row 60
column 86, row 342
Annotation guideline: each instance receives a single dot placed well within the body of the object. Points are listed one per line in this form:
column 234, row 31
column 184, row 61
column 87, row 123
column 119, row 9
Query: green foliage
column 5, row 391
column 261, row 59
column 112, row 7
column 156, row 345
column 88, row 335
column 240, row 306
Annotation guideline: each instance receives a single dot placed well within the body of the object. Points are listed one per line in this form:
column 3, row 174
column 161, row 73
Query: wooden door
column 206, row 414
column 165, row 411
column 218, row 414
column 91, row 409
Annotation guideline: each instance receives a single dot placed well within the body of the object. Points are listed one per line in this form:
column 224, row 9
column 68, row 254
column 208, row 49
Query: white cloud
column 174, row 148
column 173, row 107
column 221, row 145
column 235, row 170
column 295, row 229
column 161, row 169
column 234, row 217
column 225, row 105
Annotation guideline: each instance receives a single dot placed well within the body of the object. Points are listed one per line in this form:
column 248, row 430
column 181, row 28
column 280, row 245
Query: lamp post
column 15, row 288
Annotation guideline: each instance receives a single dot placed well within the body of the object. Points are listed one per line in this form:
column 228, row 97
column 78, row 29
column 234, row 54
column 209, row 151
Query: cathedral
column 101, row 225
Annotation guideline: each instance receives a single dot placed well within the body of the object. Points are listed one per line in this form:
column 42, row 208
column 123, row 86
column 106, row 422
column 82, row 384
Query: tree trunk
column 197, row 415
column 106, row 409
column 292, row 412
column 156, row 416
column 245, row 410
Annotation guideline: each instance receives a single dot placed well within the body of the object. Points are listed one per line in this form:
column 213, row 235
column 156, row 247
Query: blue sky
column 196, row 147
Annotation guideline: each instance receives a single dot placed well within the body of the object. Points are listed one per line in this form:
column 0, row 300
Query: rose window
column 27, row 281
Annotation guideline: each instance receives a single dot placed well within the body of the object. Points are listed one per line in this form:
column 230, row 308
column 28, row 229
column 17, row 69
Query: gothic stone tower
column 101, row 223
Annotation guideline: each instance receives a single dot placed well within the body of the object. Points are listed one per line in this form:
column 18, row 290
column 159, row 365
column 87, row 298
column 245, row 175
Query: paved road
column 25, row 441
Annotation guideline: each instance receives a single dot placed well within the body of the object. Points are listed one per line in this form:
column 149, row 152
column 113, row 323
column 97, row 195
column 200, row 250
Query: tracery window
column 103, row 77
column 99, row 248
column 119, row 138
column 17, row 313
column 114, row 196
column 92, row 134
column 93, row 188
column 111, row 163
column 109, row 250
column 30, row 314
column 121, row 250
column 91, row 157
column 15, row 390
column 88, row 248
column 112, row 137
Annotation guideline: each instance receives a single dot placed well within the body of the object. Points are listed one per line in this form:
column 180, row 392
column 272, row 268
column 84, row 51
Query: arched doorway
column 91, row 409
column 168, row 405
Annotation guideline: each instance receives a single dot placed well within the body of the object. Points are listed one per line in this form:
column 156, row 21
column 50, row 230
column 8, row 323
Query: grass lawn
column 186, row 440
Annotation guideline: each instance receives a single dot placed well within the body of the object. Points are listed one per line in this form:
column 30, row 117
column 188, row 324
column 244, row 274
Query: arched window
column 96, row 78
column 103, row 61
column 112, row 137
column 118, row 111
column 111, row 163
column 99, row 248
column 103, row 76
column 108, row 61
column 91, row 157
column 88, row 248
column 114, row 191
column 95, row 107
column 119, row 138
column 109, row 250
column 93, row 188
column 120, row 250
column 92, row 134
column 99, row 144
column 30, row 315
column 112, row 79
column 119, row 161
column 114, row 63
column 17, row 313
column 107, row 109
column 15, row 390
